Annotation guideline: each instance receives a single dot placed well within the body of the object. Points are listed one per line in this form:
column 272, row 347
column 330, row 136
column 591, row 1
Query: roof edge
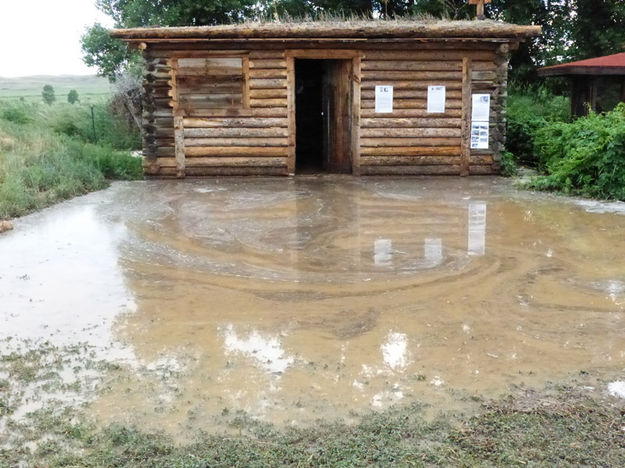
column 575, row 70
column 613, row 64
column 335, row 30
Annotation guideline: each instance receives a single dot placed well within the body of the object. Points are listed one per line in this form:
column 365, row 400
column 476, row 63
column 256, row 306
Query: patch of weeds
column 26, row 367
column 508, row 164
column 43, row 164
column 4, row 407
column 19, row 114
column 576, row 432
column 571, row 430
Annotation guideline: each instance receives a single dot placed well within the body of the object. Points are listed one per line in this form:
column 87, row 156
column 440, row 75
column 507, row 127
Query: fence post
column 95, row 136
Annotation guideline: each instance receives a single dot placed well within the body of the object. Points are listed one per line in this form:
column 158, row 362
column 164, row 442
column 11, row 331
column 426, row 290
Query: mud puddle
column 316, row 297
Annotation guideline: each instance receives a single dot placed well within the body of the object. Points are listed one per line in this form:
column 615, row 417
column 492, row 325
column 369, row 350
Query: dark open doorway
column 323, row 116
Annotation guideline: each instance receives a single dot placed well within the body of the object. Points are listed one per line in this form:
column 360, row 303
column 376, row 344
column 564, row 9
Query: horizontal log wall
column 410, row 140
column 253, row 136
column 243, row 136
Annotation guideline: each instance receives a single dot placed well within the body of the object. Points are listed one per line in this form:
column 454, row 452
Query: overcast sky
column 42, row 37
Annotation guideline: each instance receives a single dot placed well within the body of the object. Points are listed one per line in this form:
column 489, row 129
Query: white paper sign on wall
column 383, row 99
column 436, row 99
column 479, row 135
column 480, row 108
column 480, row 121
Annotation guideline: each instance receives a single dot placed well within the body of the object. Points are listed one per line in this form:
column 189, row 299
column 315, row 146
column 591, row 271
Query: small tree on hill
column 72, row 96
column 48, row 94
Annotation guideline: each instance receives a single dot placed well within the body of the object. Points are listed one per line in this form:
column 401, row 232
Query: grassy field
column 90, row 88
column 51, row 153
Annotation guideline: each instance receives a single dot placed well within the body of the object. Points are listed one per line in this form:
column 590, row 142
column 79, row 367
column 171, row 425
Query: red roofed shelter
column 597, row 83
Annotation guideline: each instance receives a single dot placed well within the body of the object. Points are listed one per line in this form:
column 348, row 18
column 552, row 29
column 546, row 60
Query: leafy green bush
column 528, row 111
column 19, row 113
column 508, row 164
column 585, row 157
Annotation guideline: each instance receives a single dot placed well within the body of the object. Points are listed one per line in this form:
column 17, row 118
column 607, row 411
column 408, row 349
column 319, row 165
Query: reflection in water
column 387, row 398
column 617, row 389
column 395, row 350
column 616, row 291
column 266, row 352
column 477, row 229
column 433, row 252
column 321, row 297
column 383, row 252
column 60, row 279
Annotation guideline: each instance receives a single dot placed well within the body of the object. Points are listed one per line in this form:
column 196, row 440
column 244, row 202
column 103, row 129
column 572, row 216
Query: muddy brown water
column 317, row 297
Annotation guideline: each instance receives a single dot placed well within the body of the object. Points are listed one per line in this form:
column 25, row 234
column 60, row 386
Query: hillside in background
column 89, row 87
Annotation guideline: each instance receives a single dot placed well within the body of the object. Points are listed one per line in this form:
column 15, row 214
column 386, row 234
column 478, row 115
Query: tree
column 572, row 29
column 72, row 96
column 110, row 56
column 598, row 28
column 48, row 94
column 451, row 9
column 552, row 46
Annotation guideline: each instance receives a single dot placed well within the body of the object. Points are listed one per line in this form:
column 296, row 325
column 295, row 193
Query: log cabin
column 360, row 97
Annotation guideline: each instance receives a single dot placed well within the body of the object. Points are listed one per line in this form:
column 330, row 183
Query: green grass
column 49, row 153
column 575, row 431
column 90, row 88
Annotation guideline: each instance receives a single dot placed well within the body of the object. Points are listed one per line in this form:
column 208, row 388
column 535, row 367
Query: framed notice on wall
column 480, row 121
column 383, row 99
column 479, row 135
column 436, row 99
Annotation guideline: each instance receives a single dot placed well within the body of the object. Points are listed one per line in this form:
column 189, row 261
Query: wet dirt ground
column 316, row 297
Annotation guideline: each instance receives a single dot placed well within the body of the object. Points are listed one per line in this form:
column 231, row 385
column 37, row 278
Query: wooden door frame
column 324, row 54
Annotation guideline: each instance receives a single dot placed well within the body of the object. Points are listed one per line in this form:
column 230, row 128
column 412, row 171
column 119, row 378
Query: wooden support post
column 574, row 89
column 467, row 66
column 290, row 105
column 148, row 131
column 179, row 146
column 580, row 95
column 245, row 95
column 623, row 90
column 498, row 134
column 178, row 122
column 355, row 144
column 593, row 94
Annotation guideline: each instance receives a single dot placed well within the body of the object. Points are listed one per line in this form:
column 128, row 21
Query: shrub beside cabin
column 367, row 98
